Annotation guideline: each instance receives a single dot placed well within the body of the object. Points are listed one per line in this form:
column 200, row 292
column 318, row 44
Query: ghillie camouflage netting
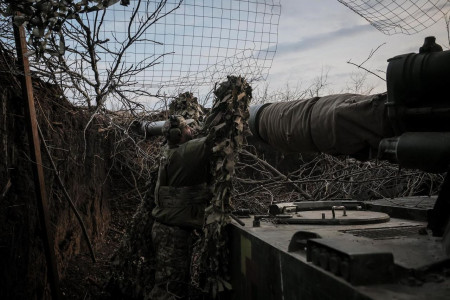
column 186, row 105
column 227, row 122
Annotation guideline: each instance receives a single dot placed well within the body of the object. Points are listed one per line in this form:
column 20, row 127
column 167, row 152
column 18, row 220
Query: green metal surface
column 270, row 261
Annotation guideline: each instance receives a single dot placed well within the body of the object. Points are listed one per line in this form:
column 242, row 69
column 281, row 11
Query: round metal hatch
column 335, row 217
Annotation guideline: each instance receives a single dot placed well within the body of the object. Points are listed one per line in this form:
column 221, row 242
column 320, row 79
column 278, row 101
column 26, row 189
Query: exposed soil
column 84, row 159
column 85, row 279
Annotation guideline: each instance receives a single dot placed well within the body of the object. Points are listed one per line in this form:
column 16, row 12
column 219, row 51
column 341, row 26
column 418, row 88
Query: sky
column 319, row 36
column 202, row 43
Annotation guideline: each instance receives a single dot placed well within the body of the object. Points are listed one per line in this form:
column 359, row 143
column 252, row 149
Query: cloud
column 314, row 35
column 320, row 40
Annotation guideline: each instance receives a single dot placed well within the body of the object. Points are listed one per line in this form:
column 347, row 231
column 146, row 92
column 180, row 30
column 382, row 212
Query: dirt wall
column 82, row 159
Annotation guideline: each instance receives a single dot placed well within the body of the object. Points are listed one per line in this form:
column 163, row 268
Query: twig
column 85, row 129
column 447, row 26
column 66, row 194
column 6, row 188
column 367, row 70
column 301, row 191
column 372, row 52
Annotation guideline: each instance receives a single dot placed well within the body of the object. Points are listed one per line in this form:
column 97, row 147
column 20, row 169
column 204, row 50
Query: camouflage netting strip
column 227, row 122
column 42, row 17
column 186, row 105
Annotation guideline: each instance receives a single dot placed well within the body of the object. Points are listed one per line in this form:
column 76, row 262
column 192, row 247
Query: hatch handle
column 334, row 208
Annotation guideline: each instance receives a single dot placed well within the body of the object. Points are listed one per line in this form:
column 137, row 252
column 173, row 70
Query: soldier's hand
column 135, row 126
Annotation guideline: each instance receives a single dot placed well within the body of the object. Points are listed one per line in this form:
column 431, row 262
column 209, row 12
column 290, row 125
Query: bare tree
column 324, row 177
column 289, row 92
column 319, row 83
column 358, row 84
column 78, row 67
column 361, row 65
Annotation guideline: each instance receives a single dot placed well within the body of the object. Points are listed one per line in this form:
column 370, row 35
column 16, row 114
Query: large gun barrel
column 152, row 128
column 416, row 104
column 409, row 125
column 337, row 124
column 413, row 116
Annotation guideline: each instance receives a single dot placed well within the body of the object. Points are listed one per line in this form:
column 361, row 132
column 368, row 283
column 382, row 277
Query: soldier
column 181, row 195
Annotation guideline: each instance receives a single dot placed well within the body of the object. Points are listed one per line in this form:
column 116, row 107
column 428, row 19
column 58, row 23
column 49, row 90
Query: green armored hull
column 396, row 258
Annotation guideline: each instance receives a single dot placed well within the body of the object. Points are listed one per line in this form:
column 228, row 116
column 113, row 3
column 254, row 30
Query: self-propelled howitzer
column 410, row 124
column 350, row 249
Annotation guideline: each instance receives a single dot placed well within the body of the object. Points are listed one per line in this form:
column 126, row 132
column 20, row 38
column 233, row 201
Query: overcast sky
column 322, row 35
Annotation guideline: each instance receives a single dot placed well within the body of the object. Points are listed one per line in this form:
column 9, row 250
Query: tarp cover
column 337, row 124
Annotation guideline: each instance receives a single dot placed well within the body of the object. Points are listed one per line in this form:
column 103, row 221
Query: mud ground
column 87, row 280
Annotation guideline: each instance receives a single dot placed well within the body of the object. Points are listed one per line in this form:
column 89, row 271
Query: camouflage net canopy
column 399, row 16
column 196, row 42
column 138, row 49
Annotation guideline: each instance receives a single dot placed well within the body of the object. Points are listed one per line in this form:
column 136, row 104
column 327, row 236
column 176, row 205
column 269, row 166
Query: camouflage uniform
column 172, row 246
column 181, row 195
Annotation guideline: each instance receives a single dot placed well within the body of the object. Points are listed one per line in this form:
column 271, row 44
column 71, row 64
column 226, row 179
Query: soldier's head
column 176, row 130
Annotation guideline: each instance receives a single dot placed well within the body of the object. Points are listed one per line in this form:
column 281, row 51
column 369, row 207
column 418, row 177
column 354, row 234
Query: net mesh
column 154, row 47
column 399, row 16
column 188, row 44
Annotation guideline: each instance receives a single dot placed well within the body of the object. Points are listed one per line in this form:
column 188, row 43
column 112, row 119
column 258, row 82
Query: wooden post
column 35, row 151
